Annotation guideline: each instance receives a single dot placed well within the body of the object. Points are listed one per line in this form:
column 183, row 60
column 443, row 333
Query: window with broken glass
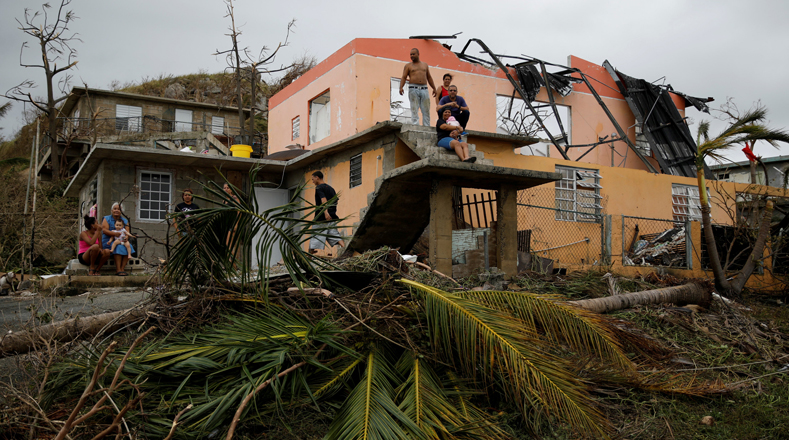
column 513, row 116
column 577, row 195
column 356, row 171
column 685, row 203
column 155, row 195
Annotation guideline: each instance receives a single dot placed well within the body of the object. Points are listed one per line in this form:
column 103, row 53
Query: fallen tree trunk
column 685, row 294
column 25, row 341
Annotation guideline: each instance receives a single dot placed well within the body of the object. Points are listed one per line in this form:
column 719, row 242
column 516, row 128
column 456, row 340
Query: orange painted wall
column 342, row 89
column 351, row 200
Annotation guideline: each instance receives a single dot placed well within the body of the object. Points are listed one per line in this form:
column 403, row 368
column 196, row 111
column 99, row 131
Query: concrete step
column 74, row 267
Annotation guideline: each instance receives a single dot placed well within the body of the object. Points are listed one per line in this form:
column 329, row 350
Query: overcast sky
column 720, row 48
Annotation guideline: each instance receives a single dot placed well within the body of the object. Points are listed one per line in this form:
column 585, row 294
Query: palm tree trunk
column 721, row 284
column 758, row 250
column 65, row 331
column 684, row 294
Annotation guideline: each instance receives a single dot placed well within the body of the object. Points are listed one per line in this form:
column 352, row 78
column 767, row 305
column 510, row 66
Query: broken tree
column 54, row 39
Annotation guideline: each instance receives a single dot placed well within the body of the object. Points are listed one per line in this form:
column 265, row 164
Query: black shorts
column 81, row 260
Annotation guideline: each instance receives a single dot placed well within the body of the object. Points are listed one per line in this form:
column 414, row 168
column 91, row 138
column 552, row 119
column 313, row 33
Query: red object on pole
column 749, row 153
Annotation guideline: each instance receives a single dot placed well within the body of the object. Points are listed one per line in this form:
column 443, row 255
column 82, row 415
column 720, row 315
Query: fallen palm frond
column 370, row 411
column 385, row 362
column 497, row 344
column 215, row 370
column 236, row 238
column 580, row 329
column 440, row 410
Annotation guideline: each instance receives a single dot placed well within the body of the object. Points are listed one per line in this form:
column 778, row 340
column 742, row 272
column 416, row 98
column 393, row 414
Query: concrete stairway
column 398, row 210
column 422, row 140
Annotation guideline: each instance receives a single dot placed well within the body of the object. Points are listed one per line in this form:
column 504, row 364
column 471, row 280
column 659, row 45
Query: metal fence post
column 607, row 239
column 688, row 245
column 623, row 240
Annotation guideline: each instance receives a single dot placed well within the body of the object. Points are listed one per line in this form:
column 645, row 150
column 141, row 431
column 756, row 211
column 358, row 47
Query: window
column 128, row 118
column 320, row 118
column 76, row 118
column 154, row 200
column 685, row 203
column 514, row 117
column 296, row 126
column 217, row 125
column 399, row 105
column 183, row 120
column 356, row 171
column 723, row 176
column 577, row 195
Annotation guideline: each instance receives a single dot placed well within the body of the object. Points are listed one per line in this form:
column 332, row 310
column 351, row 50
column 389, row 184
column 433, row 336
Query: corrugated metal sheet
column 667, row 133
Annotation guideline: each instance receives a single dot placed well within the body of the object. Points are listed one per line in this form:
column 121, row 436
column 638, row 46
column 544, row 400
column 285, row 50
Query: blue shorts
column 444, row 142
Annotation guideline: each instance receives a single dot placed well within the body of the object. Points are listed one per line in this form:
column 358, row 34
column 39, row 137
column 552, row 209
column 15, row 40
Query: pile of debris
column 667, row 248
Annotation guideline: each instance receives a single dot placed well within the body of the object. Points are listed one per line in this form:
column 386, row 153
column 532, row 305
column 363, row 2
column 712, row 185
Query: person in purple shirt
column 456, row 104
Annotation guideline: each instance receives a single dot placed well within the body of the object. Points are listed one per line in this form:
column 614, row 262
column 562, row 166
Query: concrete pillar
column 507, row 230
column 441, row 226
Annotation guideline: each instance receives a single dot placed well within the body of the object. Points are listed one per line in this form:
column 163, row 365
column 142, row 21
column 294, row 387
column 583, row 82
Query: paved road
column 16, row 311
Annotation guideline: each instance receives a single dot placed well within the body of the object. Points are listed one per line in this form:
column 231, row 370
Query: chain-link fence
column 559, row 237
column 656, row 242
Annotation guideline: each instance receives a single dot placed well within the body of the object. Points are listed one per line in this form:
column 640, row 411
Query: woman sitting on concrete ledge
column 120, row 254
column 90, row 252
column 449, row 137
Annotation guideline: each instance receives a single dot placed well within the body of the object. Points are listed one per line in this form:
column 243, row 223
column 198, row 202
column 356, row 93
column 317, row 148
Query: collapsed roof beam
column 518, row 88
column 620, row 132
column 435, row 37
column 549, row 89
column 522, row 93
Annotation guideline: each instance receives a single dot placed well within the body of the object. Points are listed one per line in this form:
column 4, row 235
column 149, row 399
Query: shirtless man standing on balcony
column 418, row 75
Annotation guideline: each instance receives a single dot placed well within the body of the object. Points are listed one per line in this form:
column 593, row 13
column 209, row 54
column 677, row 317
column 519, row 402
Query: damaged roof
column 662, row 125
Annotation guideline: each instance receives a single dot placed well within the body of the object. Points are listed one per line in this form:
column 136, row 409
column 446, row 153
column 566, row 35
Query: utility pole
column 35, row 190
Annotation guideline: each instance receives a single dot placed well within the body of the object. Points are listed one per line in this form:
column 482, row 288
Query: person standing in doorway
column 325, row 211
column 417, row 73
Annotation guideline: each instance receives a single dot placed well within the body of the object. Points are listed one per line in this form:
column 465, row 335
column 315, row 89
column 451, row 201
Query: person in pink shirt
column 90, row 252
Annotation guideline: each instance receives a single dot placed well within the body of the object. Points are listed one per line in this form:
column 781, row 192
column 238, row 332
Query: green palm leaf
column 431, row 405
column 485, row 340
column 423, row 400
column 218, row 244
column 217, row 368
column 582, row 330
column 370, row 413
column 747, row 128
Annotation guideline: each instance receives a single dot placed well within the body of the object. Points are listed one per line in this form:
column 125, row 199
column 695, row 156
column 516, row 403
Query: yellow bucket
column 240, row 150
